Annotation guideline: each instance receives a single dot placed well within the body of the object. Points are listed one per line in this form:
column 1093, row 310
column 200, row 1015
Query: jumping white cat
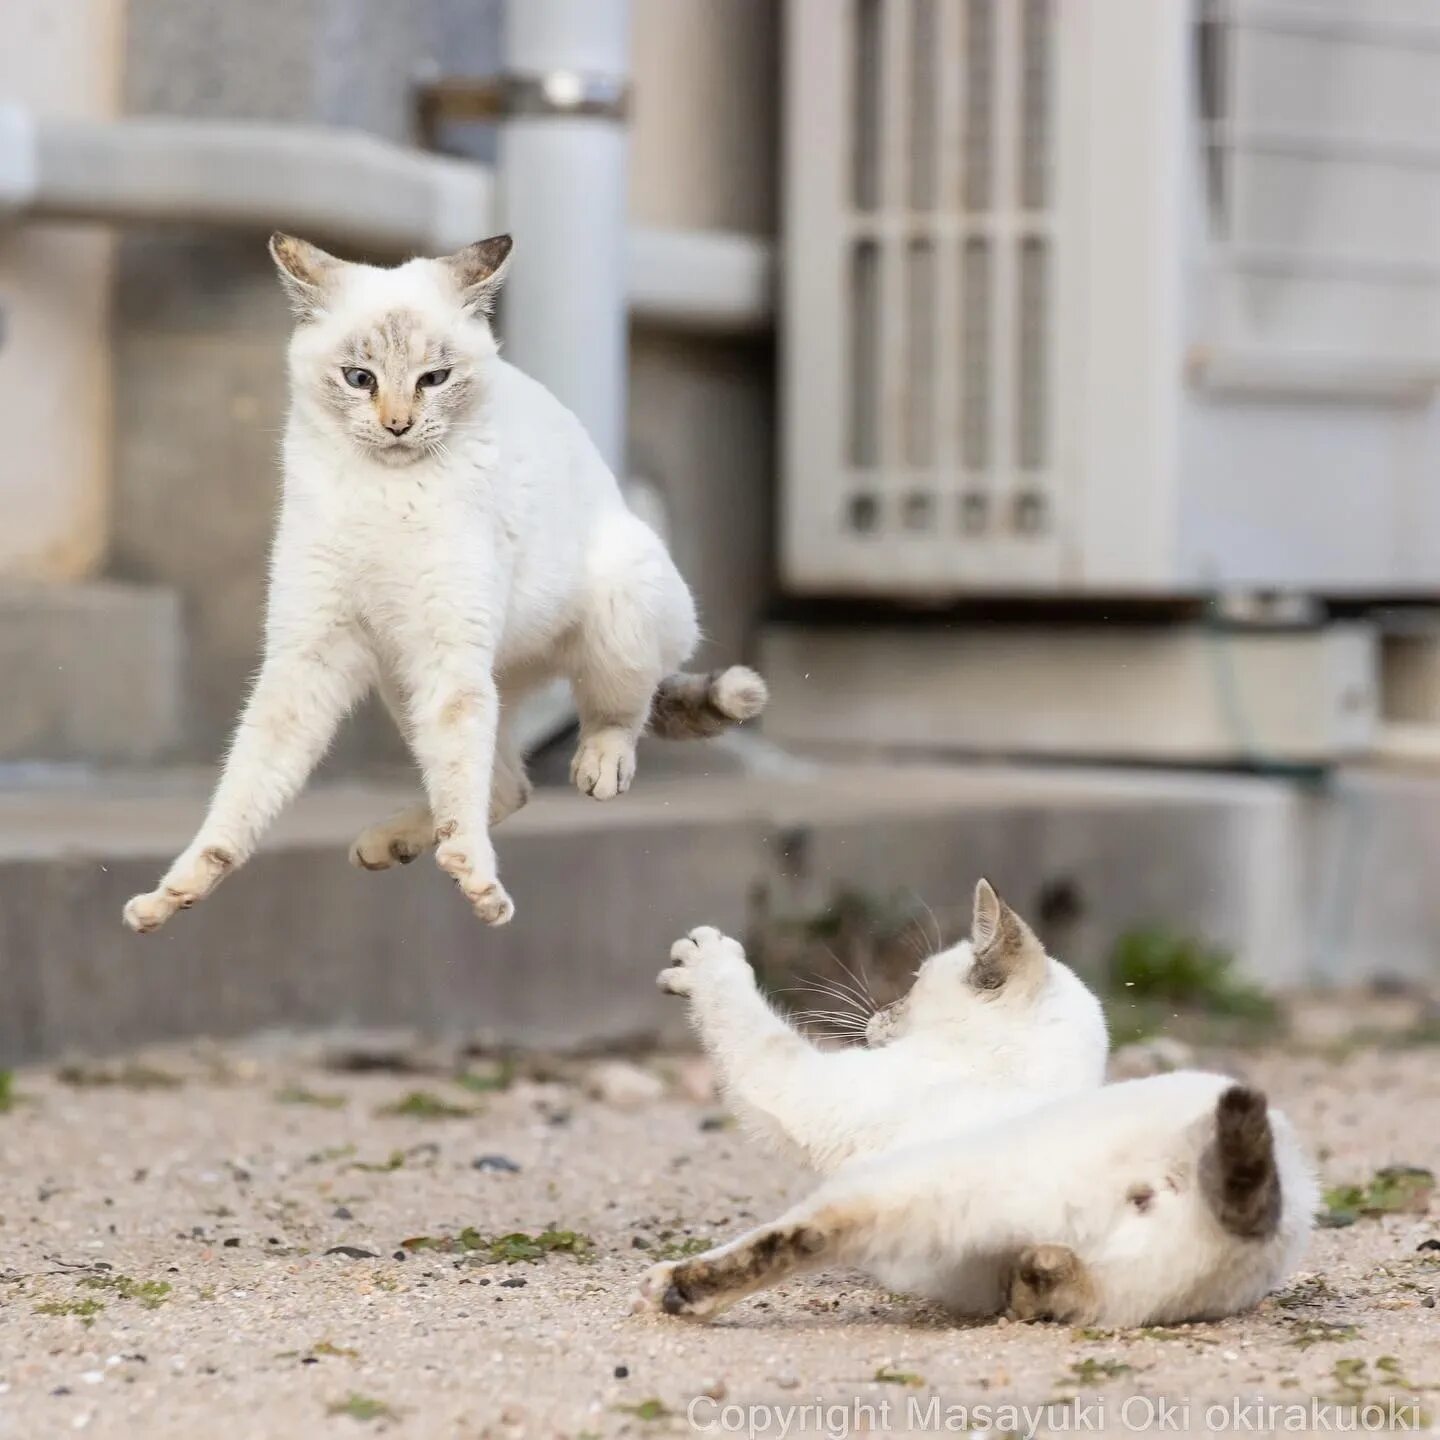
column 448, row 532
column 973, row 1155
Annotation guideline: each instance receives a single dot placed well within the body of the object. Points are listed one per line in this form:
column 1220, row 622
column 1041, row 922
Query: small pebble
column 342, row 1212
column 401, row 1255
column 502, row 1164
column 232, row 1243
column 1428, row 1302
column 514, row 1284
column 622, row 1372
column 626, row 1086
column 353, row 1251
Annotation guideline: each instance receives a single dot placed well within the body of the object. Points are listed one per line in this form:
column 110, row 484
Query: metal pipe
column 563, row 191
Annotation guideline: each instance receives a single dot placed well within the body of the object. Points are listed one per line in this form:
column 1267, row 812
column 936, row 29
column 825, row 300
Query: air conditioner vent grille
column 930, row 399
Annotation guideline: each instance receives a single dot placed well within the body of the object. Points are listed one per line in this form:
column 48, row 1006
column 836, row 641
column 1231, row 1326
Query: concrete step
column 89, row 672
column 1304, row 883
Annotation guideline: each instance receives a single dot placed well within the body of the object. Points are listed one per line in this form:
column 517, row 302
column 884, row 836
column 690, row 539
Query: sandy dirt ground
column 165, row 1226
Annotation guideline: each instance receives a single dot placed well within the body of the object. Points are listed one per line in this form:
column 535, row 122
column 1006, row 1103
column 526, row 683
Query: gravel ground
column 164, row 1267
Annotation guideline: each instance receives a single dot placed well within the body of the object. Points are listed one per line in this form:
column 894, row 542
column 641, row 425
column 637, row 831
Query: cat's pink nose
column 397, row 427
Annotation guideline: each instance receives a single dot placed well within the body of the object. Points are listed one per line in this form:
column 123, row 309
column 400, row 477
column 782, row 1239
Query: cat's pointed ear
column 1004, row 946
column 479, row 271
column 305, row 271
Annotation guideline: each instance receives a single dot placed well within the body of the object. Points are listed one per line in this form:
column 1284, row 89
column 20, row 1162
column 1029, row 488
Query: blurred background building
column 1018, row 380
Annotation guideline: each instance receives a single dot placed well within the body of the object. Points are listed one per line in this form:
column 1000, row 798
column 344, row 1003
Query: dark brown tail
column 1238, row 1171
column 695, row 707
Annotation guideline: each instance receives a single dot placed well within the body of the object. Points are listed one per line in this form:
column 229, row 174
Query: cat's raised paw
column 604, row 765
column 705, row 950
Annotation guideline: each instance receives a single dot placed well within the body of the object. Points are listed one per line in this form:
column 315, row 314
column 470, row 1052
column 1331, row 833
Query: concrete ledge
column 1305, row 884
column 91, row 672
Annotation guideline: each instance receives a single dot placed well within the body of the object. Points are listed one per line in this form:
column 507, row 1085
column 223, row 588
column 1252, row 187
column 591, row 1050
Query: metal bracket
column 566, row 94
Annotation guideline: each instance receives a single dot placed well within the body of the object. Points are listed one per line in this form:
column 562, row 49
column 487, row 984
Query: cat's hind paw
column 660, row 1294
column 396, row 841
column 604, row 765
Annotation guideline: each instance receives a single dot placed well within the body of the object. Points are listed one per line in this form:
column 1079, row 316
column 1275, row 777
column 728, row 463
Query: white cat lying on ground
column 449, row 533
column 973, row 1155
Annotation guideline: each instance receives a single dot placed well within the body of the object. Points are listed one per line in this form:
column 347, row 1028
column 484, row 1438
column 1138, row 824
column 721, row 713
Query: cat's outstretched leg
column 453, row 716
column 777, row 1081
column 701, row 1286
column 638, row 625
column 310, row 680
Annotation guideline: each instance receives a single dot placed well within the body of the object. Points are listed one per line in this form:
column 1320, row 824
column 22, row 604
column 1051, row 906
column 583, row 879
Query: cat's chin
column 395, row 457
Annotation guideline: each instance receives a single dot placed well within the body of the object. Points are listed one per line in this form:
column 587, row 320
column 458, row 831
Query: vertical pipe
column 563, row 187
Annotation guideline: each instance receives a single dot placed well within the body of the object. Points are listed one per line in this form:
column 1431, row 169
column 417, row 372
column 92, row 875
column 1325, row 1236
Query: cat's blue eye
column 359, row 379
column 431, row 378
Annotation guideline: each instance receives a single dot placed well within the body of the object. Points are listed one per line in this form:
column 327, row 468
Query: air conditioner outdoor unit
column 1112, row 297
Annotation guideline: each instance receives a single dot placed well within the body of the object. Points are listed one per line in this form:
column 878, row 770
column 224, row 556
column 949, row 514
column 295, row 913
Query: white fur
column 483, row 555
column 981, row 1128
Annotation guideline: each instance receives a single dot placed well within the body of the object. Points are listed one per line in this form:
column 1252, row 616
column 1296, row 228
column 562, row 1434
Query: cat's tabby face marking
column 390, row 359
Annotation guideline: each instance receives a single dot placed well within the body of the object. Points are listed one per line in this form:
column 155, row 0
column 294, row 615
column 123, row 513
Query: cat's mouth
column 397, row 453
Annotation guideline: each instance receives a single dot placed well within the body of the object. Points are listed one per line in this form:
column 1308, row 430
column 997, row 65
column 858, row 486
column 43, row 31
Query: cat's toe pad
column 604, row 765
column 675, row 980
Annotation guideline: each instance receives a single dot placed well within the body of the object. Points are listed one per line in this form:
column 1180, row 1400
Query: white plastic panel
column 921, row 318
column 1325, row 150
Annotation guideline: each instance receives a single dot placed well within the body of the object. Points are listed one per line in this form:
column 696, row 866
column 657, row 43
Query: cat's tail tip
column 696, row 707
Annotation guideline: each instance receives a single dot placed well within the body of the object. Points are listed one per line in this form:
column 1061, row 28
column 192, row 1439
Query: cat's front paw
column 189, row 880
column 478, row 883
column 703, row 952
column 604, row 765
column 144, row 913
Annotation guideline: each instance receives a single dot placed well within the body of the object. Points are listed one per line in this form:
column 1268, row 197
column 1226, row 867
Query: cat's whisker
column 939, row 934
column 839, row 1018
column 836, row 988
column 839, row 987
column 819, row 987
column 862, row 983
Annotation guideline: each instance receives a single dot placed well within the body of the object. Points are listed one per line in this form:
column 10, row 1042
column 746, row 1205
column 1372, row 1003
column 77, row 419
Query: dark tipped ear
column 1005, row 947
column 479, row 271
column 305, row 271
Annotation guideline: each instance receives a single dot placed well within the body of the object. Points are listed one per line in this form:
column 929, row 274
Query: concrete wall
column 59, row 59
column 200, row 326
